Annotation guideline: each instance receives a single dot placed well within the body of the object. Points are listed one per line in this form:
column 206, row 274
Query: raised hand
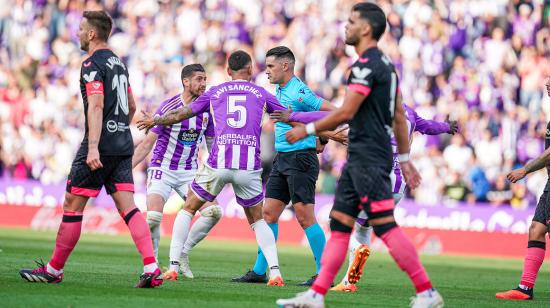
column 453, row 126
column 146, row 121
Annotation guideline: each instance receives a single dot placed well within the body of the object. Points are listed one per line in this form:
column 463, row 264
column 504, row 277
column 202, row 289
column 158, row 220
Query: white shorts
column 247, row 184
column 161, row 181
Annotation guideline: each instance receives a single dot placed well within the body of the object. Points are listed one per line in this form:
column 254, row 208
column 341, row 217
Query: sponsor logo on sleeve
column 90, row 77
column 94, row 87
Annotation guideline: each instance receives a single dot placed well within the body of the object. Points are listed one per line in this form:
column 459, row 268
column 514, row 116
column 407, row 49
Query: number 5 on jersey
column 236, row 112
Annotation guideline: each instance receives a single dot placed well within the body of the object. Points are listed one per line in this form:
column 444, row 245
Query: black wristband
column 323, row 140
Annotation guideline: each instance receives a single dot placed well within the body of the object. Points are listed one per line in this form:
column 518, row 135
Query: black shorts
column 364, row 188
column 542, row 212
column 116, row 175
column 293, row 177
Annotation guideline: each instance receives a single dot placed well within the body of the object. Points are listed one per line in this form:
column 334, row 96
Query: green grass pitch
column 102, row 270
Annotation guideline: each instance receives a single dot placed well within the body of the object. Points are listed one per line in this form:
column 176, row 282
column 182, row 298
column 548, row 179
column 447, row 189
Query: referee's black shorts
column 364, row 188
column 293, row 177
column 116, row 175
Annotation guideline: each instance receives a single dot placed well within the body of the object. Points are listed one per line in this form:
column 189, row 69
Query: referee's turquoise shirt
column 299, row 97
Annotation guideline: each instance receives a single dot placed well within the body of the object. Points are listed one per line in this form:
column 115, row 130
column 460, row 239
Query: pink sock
column 67, row 237
column 531, row 265
column 331, row 261
column 404, row 254
column 140, row 234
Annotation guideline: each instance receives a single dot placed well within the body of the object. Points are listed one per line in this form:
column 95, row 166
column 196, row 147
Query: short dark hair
column 239, row 60
column 282, row 52
column 374, row 15
column 101, row 22
column 188, row 70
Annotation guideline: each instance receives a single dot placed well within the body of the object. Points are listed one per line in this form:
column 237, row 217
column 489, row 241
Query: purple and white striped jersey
column 177, row 145
column 237, row 109
column 415, row 124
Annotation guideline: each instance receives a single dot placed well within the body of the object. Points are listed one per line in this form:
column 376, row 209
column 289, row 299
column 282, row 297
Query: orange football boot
column 276, row 281
column 170, row 275
column 362, row 253
column 515, row 294
column 345, row 288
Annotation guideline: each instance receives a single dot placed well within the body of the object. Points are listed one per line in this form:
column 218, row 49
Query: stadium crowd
column 481, row 62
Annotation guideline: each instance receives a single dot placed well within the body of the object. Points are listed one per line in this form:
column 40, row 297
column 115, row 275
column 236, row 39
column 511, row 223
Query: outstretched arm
column 536, row 164
column 431, row 127
column 172, row 117
column 288, row 116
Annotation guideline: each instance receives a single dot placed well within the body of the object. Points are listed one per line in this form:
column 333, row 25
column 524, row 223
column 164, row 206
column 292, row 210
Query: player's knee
column 214, row 211
column 154, row 218
column 270, row 216
column 72, row 204
column 537, row 231
column 305, row 220
column 336, row 225
column 381, row 229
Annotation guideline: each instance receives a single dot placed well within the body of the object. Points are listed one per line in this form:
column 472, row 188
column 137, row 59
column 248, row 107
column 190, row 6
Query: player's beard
column 84, row 45
column 351, row 40
column 198, row 92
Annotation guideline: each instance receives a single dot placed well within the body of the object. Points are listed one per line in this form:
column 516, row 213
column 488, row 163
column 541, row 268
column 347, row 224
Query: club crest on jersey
column 90, row 77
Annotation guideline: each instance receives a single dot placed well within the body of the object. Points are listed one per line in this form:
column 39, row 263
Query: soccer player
column 536, row 246
column 370, row 106
column 173, row 167
column 237, row 108
column 104, row 157
column 360, row 240
column 296, row 166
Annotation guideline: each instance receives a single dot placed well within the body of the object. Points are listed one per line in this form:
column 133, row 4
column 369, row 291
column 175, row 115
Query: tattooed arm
column 536, row 164
column 174, row 116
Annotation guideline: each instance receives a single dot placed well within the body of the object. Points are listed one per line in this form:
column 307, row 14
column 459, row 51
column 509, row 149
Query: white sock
column 154, row 219
column 149, row 268
column 210, row 217
column 363, row 234
column 52, row 270
column 179, row 236
column 315, row 295
column 266, row 241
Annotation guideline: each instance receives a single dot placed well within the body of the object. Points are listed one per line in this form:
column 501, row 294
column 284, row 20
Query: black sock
column 528, row 291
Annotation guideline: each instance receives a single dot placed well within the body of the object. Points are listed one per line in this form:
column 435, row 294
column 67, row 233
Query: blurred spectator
column 500, row 193
column 482, row 62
